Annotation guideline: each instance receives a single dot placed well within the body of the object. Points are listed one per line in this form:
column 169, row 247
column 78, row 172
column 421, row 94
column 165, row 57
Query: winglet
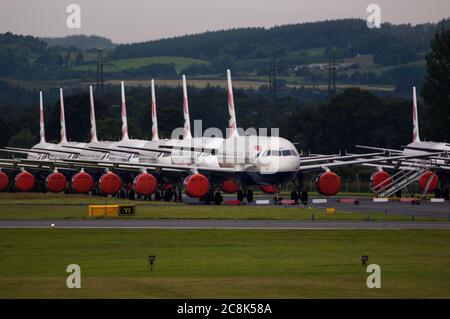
column 41, row 119
column 416, row 136
column 124, row 114
column 155, row 136
column 62, row 117
column 232, row 125
column 187, row 122
column 92, row 116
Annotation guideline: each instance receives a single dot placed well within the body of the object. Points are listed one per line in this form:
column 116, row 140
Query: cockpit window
column 279, row 153
column 276, row 153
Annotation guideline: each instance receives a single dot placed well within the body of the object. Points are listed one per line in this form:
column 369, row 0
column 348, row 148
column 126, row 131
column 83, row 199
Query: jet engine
column 82, row 182
column 110, row 183
column 230, row 186
column 328, row 183
column 56, row 182
column 196, row 185
column 24, row 181
column 4, row 181
column 431, row 178
column 145, row 184
column 269, row 189
column 380, row 179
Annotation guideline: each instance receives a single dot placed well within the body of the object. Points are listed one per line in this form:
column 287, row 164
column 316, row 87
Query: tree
column 67, row 59
column 23, row 138
column 79, row 59
column 436, row 87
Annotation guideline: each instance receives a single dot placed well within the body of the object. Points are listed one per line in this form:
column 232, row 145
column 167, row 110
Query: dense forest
column 82, row 42
column 391, row 44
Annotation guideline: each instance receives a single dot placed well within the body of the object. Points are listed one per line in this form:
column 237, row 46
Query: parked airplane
column 428, row 169
column 204, row 165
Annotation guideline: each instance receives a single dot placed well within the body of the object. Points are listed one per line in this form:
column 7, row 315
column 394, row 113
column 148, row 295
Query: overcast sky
column 140, row 20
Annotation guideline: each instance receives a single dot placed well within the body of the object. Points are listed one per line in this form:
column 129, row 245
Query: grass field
column 134, row 63
column 17, row 206
column 223, row 263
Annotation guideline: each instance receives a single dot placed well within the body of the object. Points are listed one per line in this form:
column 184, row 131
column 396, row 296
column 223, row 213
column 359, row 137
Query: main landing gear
column 245, row 194
column 213, row 197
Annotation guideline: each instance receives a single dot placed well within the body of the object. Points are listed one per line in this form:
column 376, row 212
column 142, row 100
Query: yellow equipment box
column 103, row 210
column 331, row 210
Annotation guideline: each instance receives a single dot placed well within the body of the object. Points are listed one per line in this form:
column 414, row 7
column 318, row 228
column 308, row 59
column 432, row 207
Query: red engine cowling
column 425, row 177
column 110, row 183
column 380, row 179
column 4, row 181
column 328, row 183
column 269, row 189
column 56, row 182
column 24, row 181
column 196, row 185
column 145, row 184
column 82, row 182
column 230, row 186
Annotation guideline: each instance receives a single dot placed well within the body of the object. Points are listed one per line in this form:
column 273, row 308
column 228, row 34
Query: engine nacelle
column 269, row 189
column 145, row 184
column 24, row 181
column 196, row 185
column 425, row 177
column 55, row 182
column 4, row 181
column 380, row 179
column 230, row 186
column 110, row 183
column 328, row 183
column 82, row 182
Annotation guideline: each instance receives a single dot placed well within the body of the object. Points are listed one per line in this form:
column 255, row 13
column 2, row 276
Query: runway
column 222, row 224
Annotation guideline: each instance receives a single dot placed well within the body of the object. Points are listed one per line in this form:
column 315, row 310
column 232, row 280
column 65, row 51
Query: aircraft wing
column 151, row 166
column 23, row 150
column 325, row 158
column 360, row 161
column 379, row 149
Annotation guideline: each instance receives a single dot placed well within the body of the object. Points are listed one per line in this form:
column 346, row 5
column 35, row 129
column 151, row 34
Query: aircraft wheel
column 218, row 198
column 168, row 195
column 249, row 196
column 240, row 195
column 208, row 199
column 157, row 196
column 294, row 196
column 175, row 196
column 304, row 197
